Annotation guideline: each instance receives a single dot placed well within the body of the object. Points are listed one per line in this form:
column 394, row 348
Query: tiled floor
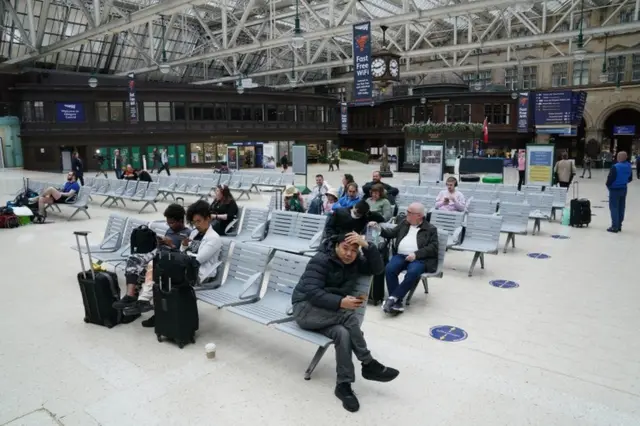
column 559, row 350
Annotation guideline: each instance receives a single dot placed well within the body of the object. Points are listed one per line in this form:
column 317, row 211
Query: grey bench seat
column 293, row 232
column 515, row 219
column 112, row 238
column 439, row 272
column 482, row 236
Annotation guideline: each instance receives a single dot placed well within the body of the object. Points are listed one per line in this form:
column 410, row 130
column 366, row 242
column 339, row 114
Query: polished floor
column 560, row 349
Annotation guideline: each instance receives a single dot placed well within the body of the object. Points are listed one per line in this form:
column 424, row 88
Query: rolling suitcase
column 175, row 308
column 580, row 209
column 99, row 291
column 376, row 292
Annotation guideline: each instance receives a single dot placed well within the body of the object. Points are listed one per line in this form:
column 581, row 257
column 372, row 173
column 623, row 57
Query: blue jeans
column 617, row 204
column 396, row 265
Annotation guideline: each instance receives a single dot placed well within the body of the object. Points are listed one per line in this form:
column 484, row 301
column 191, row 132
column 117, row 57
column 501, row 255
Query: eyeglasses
column 414, row 213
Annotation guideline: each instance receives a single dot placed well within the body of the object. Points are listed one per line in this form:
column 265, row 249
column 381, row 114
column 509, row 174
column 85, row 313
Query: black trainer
column 345, row 394
column 126, row 302
column 397, row 307
column 388, row 304
column 149, row 322
column 378, row 372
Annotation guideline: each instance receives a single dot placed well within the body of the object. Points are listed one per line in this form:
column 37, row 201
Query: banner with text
column 362, row 82
column 133, row 105
column 344, row 118
column 523, row 112
column 69, row 112
column 539, row 166
column 269, row 156
column 232, row 158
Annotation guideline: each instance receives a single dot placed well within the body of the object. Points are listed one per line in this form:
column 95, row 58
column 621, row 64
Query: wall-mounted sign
column 362, row 80
column 133, row 105
column 344, row 118
column 232, row 158
column 247, row 143
column 68, row 112
column 523, row 112
column 553, row 108
column 624, row 130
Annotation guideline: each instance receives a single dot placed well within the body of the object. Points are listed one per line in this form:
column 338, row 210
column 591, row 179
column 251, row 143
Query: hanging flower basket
column 443, row 128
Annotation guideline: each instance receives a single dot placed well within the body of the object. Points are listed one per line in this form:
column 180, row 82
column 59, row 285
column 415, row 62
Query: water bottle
column 375, row 235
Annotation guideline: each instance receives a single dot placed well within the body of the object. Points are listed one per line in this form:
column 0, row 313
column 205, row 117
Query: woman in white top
column 451, row 199
column 204, row 243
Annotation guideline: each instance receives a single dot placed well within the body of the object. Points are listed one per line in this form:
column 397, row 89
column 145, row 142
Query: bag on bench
column 143, row 240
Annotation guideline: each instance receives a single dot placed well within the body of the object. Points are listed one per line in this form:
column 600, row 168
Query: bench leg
column 481, row 260
column 553, row 213
column 510, row 237
column 425, row 284
column 77, row 211
column 476, row 256
column 314, row 362
column 536, row 226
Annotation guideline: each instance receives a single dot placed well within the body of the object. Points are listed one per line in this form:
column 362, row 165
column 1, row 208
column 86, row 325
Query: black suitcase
column 376, row 292
column 580, row 209
column 99, row 291
column 176, row 311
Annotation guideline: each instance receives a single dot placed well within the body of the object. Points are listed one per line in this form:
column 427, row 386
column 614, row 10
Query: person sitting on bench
column 136, row 266
column 450, row 199
column 323, row 301
column 346, row 220
column 53, row 195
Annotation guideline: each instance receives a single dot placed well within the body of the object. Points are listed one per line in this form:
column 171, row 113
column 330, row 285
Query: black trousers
column 521, row 175
column 80, row 179
column 165, row 166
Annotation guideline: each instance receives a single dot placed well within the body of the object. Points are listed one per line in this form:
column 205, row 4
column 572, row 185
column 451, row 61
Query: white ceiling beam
column 83, row 8
column 611, row 16
column 96, row 12
column 468, row 68
column 137, row 18
column 240, row 25
column 32, row 23
column 44, row 12
column 420, row 15
column 501, row 43
column 24, row 38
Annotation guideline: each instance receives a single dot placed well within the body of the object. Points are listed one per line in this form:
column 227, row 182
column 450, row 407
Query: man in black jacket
column 78, row 167
column 415, row 249
column 323, row 301
column 375, row 179
column 345, row 220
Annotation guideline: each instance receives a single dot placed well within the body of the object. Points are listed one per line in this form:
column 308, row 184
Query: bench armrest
column 230, row 226
column 258, row 233
column 251, row 281
column 110, row 237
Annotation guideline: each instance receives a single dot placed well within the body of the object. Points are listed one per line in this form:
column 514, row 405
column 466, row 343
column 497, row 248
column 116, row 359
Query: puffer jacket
column 326, row 280
column 427, row 240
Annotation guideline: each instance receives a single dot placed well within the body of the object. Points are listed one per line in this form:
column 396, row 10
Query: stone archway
column 613, row 108
column 588, row 119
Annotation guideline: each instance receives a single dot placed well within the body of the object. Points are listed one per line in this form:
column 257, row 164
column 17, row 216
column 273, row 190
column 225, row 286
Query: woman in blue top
column 349, row 199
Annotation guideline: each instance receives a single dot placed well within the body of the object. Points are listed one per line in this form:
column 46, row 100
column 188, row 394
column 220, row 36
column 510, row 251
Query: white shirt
column 319, row 190
column 164, row 158
column 409, row 244
column 208, row 253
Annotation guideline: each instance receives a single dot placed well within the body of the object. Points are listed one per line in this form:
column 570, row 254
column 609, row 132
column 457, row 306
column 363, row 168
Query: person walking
column 565, row 171
column 157, row 160
column 522, row 166
column 78, row 167
column 284, row 161
column 117, row 163
column 586, row 166
column 620, row 175
column 164, row 161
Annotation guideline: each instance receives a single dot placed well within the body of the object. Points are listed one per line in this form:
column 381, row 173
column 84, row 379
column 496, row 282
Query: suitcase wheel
column 193, row 339
column 86, row 319
column 180, row 344
column 159, row 337
column 108, row 324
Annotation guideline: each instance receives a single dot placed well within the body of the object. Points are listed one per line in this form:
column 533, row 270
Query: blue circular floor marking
column 448, row 333
column 504, row 284
column 559, row 237
column 538, row 255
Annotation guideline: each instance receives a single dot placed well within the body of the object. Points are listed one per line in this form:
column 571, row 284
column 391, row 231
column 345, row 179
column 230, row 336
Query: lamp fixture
column 604, row 77
column 477, row 85
column 423, row 100
column 514, row 95
column 93, row 81
column 297, row 41
column 239, row 87
column 164, row 66
column 579, row 53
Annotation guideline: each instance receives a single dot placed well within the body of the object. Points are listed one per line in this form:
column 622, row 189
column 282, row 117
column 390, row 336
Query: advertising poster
column 344, row 118
column 362, row 79
column 431, row 162
column 69, row 112
column 133, row 105
column 269, row 156
column 523, row 112
column 232, row 158
column 539, row 166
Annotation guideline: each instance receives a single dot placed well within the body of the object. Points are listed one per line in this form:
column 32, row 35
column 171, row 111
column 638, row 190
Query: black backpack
column 171, row 269
column 143, row 240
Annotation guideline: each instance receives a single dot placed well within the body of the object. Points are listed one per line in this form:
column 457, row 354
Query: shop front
column 201, row 154
column 142, row 156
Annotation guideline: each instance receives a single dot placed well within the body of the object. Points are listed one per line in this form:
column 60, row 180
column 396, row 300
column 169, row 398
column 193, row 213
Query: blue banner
column 624, row 130
column 344, row 118
column 523, row 112
column 362, row 81
column 69, row 112
column 133, row 105
column 553, row 108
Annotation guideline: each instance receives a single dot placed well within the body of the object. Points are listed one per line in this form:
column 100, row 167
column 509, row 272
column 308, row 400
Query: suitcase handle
column 576, row 190
column 85, row 234
column 81, row 233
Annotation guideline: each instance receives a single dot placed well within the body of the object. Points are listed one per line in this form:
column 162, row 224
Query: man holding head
column 415, row 250
column 324, row 301
column 619, row 176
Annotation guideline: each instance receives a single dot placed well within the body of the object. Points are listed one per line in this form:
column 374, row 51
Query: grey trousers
column 343, row 327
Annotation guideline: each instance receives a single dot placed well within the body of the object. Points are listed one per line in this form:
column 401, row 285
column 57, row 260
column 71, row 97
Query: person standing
column 620, row 175
column 637, row 166
column 586, row 166
column 78, row 167
column 284, row 161
column 157, row 161
column 522, row 166
column 117, row 163
column 565, row 170
column 164, row 161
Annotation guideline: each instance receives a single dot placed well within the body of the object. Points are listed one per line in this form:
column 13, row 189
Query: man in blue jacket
column 619, row 176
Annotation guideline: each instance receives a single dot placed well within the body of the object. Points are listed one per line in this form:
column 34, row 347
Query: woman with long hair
column 346, row 180
column 223, row 209
column 378, row 202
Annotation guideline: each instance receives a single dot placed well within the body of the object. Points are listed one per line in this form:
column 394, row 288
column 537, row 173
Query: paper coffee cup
column 210, row 349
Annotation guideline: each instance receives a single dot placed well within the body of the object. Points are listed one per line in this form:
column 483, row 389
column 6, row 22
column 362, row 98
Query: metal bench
column 559, row 198
column 320, row 340
column 293, row 232
column 166, row 186
column 541, row 206
column 245, row 266
column 206, row 185
column 80, row 202
column 482, row 236
column 123, row 252
column 447, row 222
column 515, row 219
column 148, row 196
column 283, row 271
column 514, row 197
column 424, row 278
column 112, row 238
column 128, row 193
column 481, row 206
column 220, row 266
column 250, row 219
column 115, row 192
column 238, row 183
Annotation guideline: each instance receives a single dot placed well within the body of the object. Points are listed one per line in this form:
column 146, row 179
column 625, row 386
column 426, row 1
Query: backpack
column 171, row 269
column 315, row 207
column 143, row 240
column 9, row 221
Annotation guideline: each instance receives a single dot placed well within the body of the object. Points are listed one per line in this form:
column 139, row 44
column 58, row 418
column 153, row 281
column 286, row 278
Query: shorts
column 63, row 199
